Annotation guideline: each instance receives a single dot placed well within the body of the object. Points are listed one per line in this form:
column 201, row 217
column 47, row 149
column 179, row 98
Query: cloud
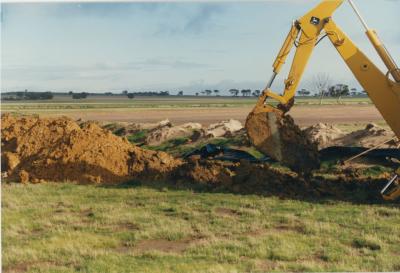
column 73, row 10
column 202, row 18
column 172, row 64
column 195, row 19
column 169, row 18
column 223, row 85
column 95, row 71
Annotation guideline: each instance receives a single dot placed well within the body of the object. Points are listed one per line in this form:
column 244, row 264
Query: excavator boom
column 267, row 125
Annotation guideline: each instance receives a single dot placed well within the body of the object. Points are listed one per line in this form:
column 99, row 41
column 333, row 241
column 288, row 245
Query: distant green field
column 120, row 102
column 154, row 228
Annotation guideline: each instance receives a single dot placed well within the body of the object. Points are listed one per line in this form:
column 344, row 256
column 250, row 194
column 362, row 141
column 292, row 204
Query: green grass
column 375, row 171
column 138, row 137
column 180, row 146
column 155, row 228
column 176, row 146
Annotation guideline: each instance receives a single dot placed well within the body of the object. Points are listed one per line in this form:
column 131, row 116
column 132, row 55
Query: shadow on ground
column 323, row 192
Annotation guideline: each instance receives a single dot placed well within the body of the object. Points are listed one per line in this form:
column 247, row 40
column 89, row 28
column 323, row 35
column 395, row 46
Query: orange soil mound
column 39, row 149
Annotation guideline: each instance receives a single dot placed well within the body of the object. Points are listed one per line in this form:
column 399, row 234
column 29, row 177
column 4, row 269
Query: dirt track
column 304, row 115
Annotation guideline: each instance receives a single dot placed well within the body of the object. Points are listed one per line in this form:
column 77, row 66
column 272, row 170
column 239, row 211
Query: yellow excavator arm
column 305, row 34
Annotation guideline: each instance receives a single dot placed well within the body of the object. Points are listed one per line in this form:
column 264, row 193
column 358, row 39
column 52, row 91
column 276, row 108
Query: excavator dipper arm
column 304, row 35
column 266, row 123
column 384, row 92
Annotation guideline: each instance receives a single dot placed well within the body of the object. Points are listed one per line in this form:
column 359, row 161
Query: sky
column 190, row 46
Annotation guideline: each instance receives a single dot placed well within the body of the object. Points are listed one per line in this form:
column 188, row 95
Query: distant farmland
column 181, row 109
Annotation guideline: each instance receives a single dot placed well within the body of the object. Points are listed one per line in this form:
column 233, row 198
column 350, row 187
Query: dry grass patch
column 67, row 228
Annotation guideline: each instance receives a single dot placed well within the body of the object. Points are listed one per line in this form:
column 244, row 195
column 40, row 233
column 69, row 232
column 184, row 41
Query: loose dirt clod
column 168, row 132
column 224, row 128
column 128, row 128
column 323, row 134
column 369, row 137
column 326, row 135
column 38, row 149
column 206, row 172
column 280, row 138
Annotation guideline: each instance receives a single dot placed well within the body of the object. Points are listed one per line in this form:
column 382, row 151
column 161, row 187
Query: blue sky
column 98, row 47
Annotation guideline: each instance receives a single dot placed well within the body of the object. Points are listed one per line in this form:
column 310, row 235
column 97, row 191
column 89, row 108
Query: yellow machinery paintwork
column 384, row 92
column 305, row 32
column 382, row 88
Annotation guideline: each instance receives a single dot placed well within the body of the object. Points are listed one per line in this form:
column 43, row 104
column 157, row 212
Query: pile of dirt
column 209, row 172
column 127, row 128
column 370, row 137
column 61, row 150
column 280, row 138
column 263, row 179
column 326, row 135
column 39, row 149
column 168, row 132
column 224, row 128
column 323, row 134
column 155, row 134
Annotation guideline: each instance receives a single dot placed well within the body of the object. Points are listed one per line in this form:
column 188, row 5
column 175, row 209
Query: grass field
column 153, row 228
column 204, row 110
column 157, row 228
column 121, row 102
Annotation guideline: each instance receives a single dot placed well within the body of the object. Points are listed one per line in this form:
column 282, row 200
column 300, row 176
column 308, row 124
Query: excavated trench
column 60, row 150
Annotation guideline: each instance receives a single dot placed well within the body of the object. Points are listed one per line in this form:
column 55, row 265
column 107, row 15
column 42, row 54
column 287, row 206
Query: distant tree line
column 147, row 93
column 27, row 95
column 78, row 96
column 320, row 87
column 207, row 92
column 245, row 92
column 323, row 87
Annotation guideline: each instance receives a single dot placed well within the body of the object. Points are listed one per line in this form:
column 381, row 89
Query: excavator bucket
column 392, row 189
column 262, row 129
column 275, row 134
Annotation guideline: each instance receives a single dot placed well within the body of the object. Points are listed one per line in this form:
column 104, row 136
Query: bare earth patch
column 226, row 211
column 164, row 245
column 304, row 115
